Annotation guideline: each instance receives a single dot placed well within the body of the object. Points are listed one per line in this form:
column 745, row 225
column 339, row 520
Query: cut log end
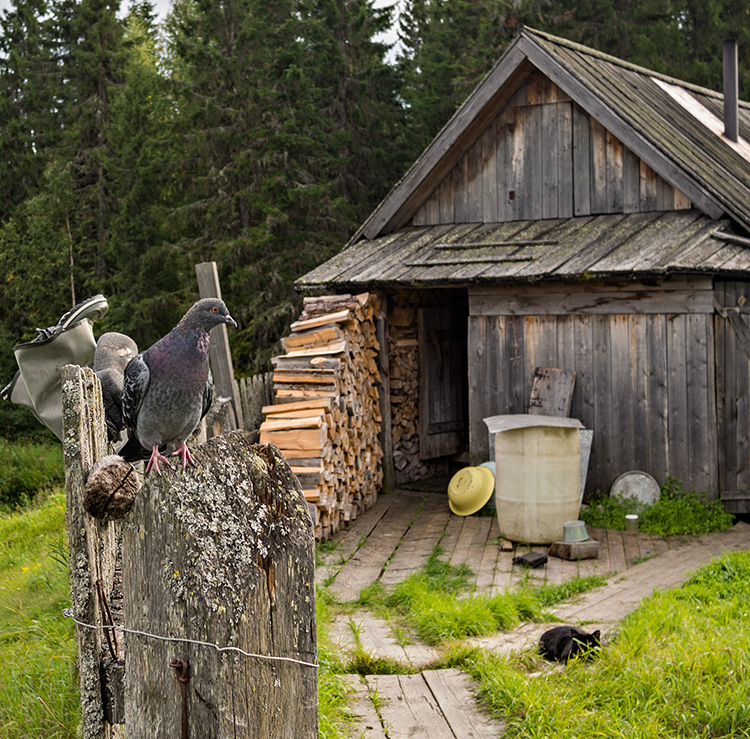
column 111, row 487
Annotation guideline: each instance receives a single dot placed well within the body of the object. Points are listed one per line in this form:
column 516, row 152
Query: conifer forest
column 252, row 133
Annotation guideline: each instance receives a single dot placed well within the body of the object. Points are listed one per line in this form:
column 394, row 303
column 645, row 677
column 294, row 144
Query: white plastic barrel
column 538, row 475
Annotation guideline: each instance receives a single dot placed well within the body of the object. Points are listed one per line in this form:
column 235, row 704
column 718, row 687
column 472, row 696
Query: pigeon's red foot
column 154, row 460
column 184, row 454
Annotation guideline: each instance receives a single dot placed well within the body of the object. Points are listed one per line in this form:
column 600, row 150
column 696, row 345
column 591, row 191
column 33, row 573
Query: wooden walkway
column 433, row 704
column 397, row 536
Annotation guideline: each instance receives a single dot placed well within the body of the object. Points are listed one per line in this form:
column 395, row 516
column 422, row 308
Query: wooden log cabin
column 576, row 212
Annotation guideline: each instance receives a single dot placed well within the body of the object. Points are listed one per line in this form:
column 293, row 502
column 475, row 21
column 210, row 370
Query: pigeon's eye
column 214, row 310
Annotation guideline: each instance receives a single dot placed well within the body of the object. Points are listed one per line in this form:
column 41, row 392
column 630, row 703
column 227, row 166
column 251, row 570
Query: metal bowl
column 575, row 531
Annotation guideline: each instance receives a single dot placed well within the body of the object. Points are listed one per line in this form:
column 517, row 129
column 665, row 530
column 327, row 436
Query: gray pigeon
column 113, row 352
column 168, row 388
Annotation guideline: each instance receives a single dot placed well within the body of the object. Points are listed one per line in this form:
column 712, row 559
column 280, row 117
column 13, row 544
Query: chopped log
column 326, row 333
column 111, row 487
column 322, row 320
column 322, row 377
column 296, row 439
column 286, row 423
column 330, row 347
column 222, row 553
column 270, row 410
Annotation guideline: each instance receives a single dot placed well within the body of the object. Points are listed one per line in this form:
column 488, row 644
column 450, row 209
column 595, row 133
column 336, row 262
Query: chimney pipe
column 731, row 90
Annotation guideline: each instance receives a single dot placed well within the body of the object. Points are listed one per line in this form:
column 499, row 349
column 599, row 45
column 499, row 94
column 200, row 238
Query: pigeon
column 113, row 352
column 168, row 388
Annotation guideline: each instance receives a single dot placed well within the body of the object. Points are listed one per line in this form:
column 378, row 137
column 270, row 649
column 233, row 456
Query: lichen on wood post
column 223, row 553
column 93, row 542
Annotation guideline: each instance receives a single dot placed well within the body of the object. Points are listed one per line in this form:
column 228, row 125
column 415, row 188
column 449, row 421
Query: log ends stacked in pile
column 326, row 418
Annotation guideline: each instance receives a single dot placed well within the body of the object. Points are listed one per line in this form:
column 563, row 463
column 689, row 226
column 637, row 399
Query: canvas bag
column 37, row 383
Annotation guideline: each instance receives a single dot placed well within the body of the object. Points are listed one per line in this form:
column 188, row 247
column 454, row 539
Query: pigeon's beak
column 230, row 320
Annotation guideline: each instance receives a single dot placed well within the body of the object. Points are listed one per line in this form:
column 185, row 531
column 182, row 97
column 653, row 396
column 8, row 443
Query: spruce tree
column 144, row 286
column 282, row 142
column 92, row 64
column 30, row 103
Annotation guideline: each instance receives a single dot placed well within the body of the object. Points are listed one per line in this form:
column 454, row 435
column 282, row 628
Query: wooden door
column 443, row 380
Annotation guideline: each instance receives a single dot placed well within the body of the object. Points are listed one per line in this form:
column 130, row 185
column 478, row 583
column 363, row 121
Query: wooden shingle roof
column 656, row 243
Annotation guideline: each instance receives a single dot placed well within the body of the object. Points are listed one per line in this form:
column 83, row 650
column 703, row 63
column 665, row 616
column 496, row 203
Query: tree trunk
column 222, row 552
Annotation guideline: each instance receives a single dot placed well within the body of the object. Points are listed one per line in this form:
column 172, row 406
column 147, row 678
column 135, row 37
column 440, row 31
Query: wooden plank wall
column 645, row 379
column 543, row 156
column 733, row 392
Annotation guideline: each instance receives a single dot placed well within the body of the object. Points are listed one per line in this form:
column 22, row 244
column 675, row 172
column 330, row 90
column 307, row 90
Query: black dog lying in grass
column 561, row 643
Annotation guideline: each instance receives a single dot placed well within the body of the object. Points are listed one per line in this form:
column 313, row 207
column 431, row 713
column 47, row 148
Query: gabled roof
column 673, row 126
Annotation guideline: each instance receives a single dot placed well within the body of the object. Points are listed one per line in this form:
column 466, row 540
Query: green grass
column 436, row 605
column 333, row 693
column 676, row 512
column 37, row 645
column 678, row 668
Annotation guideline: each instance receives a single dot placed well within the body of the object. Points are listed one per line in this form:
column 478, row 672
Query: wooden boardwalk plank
column 349, row 539
column 631, row 545
column 463, row 550
column 602, row 563
column 616, row 548
column 503, row 570
column 408, row 709
column 419, row 540
column 488, row 563
column 554, row 571
column 450, row 536
column 366, row 564
column 367, row 722
column 478, row 546
column 455, row 694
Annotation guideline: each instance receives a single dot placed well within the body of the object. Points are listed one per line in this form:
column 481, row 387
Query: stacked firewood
column 326, row 417
column 403, row 361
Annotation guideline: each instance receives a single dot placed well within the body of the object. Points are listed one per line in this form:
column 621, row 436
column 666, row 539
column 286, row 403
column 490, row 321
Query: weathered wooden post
column 218, row 571
column 93, row 551
column 221, row 358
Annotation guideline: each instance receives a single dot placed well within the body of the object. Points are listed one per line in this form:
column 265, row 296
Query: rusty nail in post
column 182, row 668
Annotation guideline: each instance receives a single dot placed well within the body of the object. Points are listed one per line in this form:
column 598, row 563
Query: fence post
column 221, row 358
column 93, row 553
column 221, row 553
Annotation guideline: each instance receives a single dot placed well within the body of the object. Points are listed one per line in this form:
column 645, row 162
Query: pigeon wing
column 134, row 386
column 111, row 381
column 208, row 394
